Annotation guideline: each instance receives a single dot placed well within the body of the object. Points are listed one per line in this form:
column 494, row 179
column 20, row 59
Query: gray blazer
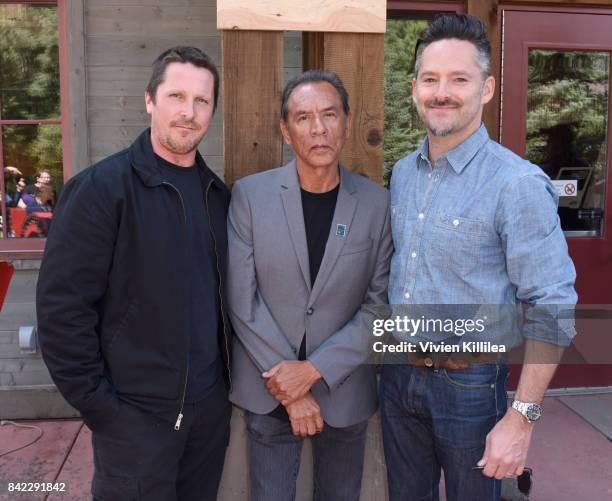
column 272, row 304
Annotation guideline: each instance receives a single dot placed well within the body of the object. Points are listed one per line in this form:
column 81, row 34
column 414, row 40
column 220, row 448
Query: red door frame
column 560, row 28
column 23, row 248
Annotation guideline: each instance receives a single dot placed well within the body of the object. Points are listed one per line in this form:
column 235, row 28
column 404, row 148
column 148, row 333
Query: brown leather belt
column 454, row 361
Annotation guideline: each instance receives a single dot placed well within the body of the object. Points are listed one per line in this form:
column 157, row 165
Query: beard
column 181, row 145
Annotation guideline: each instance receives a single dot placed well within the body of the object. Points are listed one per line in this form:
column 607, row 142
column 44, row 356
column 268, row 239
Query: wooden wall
column 123, row 37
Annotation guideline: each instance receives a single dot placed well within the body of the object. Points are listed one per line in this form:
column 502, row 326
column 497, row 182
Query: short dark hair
column 314, row 76
column 460, row 27
column 181, row 54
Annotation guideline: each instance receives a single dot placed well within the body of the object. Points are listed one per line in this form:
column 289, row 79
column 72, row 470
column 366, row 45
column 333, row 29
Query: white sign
column 566, row 187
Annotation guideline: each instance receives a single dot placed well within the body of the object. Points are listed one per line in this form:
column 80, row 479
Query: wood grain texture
column 313, row 43
column 366, row 16
column 358, row 59
column 253, row 77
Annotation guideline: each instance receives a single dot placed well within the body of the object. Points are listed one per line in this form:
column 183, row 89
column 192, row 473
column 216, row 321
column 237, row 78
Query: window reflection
column 567, row 116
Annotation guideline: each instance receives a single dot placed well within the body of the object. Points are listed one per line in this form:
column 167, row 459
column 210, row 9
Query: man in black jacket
column 131, row 301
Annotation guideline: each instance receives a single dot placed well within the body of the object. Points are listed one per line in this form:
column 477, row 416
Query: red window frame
column 23, row 247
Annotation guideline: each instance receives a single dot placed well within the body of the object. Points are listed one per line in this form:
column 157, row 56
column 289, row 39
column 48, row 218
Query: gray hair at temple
column 314, row 76
column 459, row 27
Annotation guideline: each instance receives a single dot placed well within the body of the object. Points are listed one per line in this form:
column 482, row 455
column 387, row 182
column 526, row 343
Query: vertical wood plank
column 358, row 58
column 253, row 77
column 486, row 10
column 313, row 49
column 77, row 86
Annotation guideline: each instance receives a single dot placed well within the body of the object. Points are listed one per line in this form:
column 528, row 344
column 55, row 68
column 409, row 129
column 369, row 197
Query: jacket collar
column 144, row 162
column 291, row 179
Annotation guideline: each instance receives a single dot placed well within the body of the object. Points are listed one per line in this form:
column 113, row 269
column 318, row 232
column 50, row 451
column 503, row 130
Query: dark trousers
column 274, row 457
column 139, row 457
column 433, row 420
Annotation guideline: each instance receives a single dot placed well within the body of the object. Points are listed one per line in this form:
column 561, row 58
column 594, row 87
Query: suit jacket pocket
column 355, row 247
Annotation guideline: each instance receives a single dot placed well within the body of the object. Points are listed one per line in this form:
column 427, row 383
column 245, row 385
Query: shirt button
column 413, row 255
column 421, row 216
column 407, row 295
column 309, row 311
column 455, row 222
column 429, row 175
column 393, row 210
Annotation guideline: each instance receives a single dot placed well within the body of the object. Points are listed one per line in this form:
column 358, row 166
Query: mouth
column 320, row 147
column 184, row 127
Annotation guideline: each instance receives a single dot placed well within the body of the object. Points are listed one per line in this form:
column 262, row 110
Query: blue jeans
column 274, row 457
column 436, row 420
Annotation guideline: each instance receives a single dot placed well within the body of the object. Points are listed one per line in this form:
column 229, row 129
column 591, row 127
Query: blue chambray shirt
column 479, row 228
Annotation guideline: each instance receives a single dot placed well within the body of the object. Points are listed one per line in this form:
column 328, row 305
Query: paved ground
column 571, row 460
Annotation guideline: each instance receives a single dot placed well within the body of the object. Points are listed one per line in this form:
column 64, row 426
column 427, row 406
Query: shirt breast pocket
column 463, row 245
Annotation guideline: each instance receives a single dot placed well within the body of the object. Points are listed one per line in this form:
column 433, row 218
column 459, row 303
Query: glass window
column 404, row 131
column 567, row 119
column 30, row 118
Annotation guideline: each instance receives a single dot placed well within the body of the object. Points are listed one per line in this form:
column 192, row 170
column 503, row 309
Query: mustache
column 183, row 123
column 443, row 102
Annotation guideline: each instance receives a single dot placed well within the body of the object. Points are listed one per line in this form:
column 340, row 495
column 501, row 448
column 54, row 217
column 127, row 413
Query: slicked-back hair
column 314, row 76
column 181, row 54
column 458, row 27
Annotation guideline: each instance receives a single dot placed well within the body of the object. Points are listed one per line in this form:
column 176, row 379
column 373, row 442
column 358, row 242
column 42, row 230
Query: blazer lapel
column 338, row 233
column 292, row 203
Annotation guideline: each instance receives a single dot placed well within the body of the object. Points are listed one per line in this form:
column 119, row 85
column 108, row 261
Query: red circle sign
column 570, row 189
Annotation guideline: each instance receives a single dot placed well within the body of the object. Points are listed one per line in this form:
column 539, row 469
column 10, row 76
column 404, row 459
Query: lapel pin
column 341, row 230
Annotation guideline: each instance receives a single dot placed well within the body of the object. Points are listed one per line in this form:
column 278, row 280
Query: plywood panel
column 358, row 59
column 367, row 16
column 253, row 70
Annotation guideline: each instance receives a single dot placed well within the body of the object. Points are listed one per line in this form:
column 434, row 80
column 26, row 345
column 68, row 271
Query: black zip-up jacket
column 111, row 300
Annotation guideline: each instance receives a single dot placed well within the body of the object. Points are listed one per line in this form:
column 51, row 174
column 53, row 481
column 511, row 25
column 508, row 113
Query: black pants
column 138, row 457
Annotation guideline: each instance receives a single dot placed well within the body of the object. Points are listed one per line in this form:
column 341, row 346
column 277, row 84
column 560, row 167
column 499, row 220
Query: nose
column 442, row 90
column 188, row 110
column 318, row 125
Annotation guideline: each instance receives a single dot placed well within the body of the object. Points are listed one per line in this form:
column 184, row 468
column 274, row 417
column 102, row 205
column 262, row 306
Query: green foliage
column 567, row 90
column 30, row 87
column 404, row 131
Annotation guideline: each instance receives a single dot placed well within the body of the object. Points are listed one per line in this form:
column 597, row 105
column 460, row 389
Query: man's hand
column 305, row 416
column 290, row 380
column 506, row 447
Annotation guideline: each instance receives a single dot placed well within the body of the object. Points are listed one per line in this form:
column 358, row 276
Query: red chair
column 6, row 272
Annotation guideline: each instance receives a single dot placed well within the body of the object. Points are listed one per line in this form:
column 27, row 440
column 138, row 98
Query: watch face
column 533, row 412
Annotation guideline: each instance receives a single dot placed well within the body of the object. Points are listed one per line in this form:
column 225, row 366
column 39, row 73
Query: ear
column 349, row 124
column 148, row 102
column 285, row 131
column 488, row 89
column 414, row 82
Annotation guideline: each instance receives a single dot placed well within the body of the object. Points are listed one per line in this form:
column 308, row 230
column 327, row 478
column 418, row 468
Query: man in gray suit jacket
column 309, row 243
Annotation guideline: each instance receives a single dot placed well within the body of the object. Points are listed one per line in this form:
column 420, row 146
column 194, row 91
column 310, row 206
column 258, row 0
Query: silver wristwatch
column 530, row 410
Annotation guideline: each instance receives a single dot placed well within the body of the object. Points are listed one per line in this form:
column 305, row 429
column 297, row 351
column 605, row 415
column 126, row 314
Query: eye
column 202, row 100
column 302, row 118
column 461, row 80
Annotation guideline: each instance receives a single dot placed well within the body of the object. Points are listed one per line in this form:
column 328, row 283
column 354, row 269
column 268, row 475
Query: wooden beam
column 253, row 78
column 365, row 16
column 358, row 58
column 487, row 11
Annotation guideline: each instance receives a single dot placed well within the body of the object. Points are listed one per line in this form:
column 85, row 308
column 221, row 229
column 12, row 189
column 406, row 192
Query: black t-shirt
column 205, row 365
column 318, row 211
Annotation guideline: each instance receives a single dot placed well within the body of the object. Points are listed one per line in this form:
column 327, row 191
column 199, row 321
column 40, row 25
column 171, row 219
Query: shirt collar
column 462, row 154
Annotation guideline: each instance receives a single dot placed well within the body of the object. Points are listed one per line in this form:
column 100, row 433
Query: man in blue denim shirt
column 472, row 224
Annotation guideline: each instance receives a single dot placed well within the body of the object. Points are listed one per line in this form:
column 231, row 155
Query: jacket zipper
column 179, row 418
column 229, row 373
